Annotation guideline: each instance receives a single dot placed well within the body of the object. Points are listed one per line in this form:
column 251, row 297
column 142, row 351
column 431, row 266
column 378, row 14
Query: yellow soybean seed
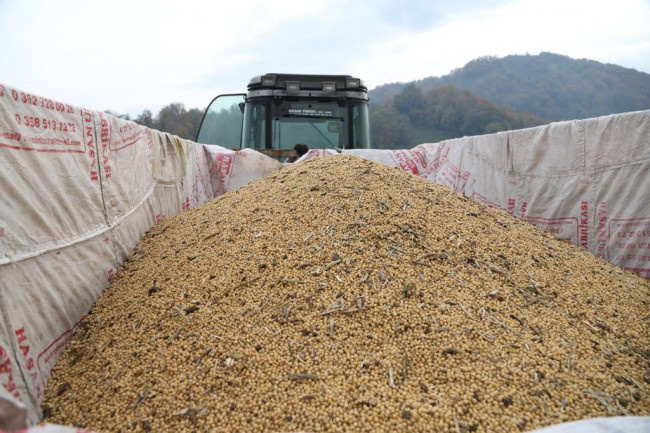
column 341, row 294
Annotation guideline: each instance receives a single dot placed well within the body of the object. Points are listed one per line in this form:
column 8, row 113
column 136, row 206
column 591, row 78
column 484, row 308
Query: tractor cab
column 284, row 112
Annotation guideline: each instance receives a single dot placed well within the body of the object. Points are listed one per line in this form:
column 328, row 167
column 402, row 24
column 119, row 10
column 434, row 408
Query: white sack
column 617, row 424
column 51, row 226
column 231, row 169
column 52, row 428
column 79, row 189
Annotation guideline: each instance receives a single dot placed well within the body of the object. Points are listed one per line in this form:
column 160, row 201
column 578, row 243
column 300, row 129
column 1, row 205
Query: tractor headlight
column 352, row 83
column 268, row 80
column 293, row 85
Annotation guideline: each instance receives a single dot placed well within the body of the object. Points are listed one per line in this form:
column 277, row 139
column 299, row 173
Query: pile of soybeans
column 339, row 294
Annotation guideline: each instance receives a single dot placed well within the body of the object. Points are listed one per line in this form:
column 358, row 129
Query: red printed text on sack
column 6, row 377
column 436, row 164
column 405, row 160
column 220, row 172
column 32, row 371
column 37, row 122
column 480, row 198
column 37, row 101
column 89, row 138
column 104, row 139
column 451, row 176
column 130, row 134
column 584, row 224
column 563, row 228
column 64, row 138
column 205, row 191
column 601, row 250
column 630, row 241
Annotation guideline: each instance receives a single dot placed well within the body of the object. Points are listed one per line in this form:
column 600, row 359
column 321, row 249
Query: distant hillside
column 548, row 85
column 440, row 113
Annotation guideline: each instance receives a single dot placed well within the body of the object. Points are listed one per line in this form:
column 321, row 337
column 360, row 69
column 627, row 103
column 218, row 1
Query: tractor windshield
column 319, row 125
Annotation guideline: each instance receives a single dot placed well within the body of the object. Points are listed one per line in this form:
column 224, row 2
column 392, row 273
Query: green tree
column 389, row 128
column 411, row 103
column 193, row 120
column 440, row 113
column 145, row 119
column 171, row 118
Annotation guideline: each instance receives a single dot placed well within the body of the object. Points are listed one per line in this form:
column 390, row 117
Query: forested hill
column 413, row 117
column 551, row 86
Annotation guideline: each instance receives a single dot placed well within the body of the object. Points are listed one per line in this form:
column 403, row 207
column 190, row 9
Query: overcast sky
column 128, row 55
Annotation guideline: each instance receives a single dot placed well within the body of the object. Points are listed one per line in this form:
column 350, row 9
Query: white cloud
column 128, row 56
column 605, row 31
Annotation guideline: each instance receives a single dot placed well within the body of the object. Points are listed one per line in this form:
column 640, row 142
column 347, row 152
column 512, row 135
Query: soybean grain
column 339, row 294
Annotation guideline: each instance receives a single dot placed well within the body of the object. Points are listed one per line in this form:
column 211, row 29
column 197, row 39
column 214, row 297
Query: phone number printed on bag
column 42, row 134
column 53, row 135
column 44, row 123
column 38, row 101
column 629, row 242
column 39, row 124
